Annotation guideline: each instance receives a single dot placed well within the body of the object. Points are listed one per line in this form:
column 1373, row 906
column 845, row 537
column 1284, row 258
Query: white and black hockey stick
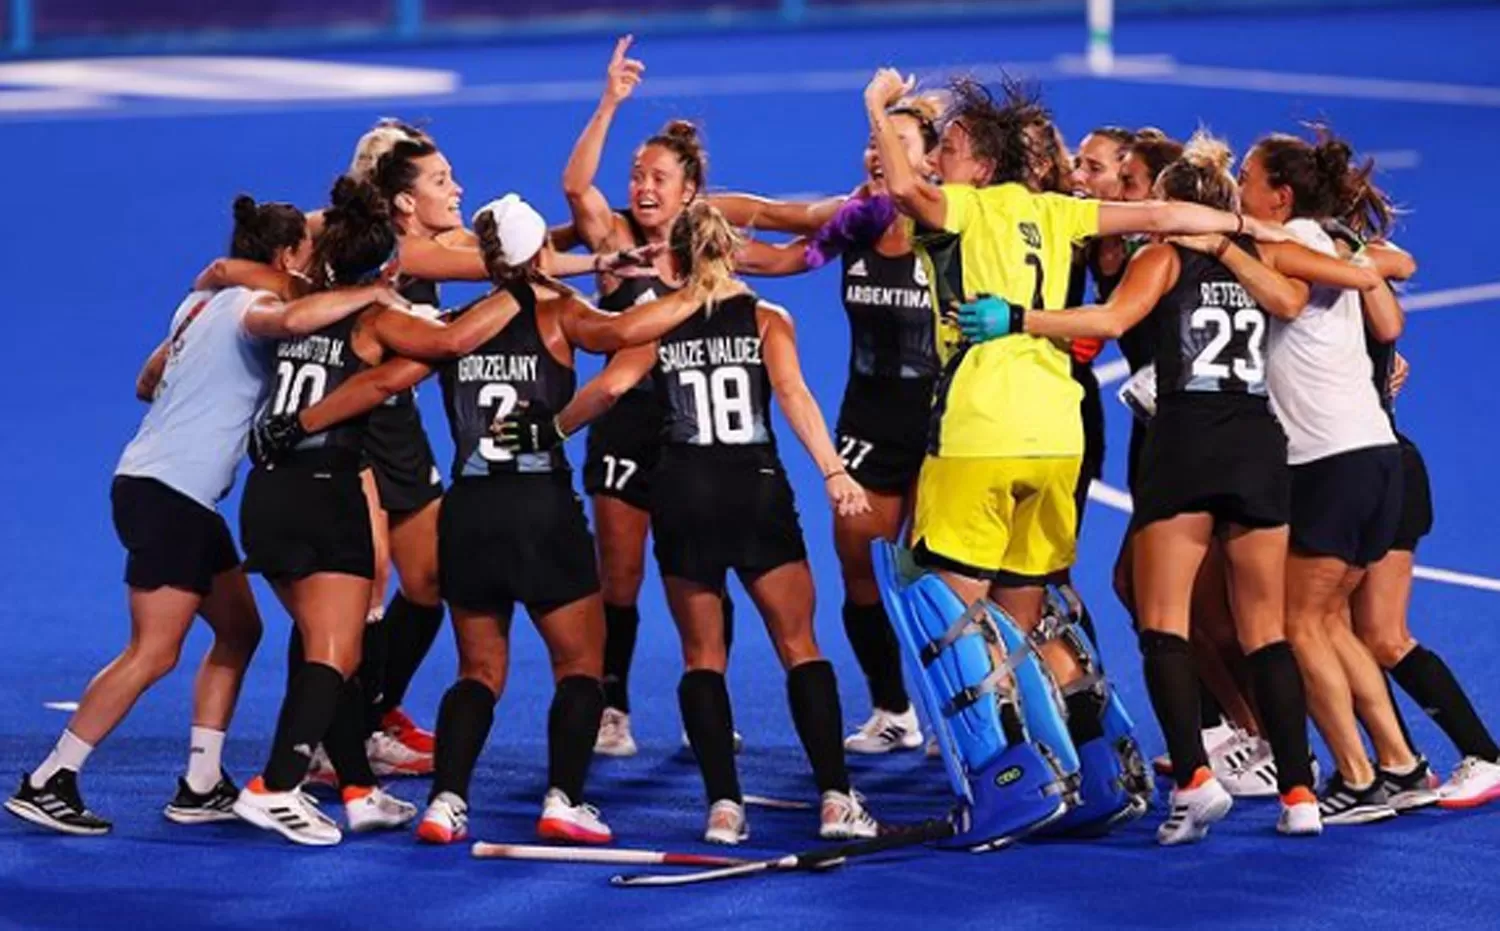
column 614, row 855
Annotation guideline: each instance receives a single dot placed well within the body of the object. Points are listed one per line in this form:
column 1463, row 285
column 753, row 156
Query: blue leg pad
column 1042, row 706
column 1016, row 794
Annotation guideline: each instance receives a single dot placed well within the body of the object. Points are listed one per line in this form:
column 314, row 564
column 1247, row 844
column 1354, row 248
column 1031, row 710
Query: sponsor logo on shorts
column 1009, row 775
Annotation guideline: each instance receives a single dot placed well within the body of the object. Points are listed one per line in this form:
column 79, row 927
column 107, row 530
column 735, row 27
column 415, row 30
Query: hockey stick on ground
column 783, row 804
column 822, row 858
column 486, row 851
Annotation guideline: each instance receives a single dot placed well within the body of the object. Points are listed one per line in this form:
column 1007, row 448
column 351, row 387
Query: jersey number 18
column 721, row 405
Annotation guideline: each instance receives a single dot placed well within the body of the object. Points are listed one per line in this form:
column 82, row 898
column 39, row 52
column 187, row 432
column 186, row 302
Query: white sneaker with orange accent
column 614, row 737
column 399, row 725
column 374, row 809
column 844, row 817
column 294, row 815
column 1474, row 782
column 727, row 824
column 578, row 824
column 446, row 820
column 1300, row 816
column 1194, row 810
column 390, row 757
column 320, row 770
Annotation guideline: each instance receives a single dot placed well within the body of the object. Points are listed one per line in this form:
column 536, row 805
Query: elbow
column 575, row 186
column 1388, row 331
column 903, row 191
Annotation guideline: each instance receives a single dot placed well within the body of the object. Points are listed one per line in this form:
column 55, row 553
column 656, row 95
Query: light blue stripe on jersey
column 193, row 438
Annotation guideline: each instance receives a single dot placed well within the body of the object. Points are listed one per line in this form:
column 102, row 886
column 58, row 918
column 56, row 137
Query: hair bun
column 356, row 200
column 683, row 131
column 245, row 209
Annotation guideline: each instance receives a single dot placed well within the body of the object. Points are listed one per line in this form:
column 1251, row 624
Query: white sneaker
column 390, row 757
column 446, row 820
column 739, row 742
column 577, row 824
column 727, row 823
column 1193, row 812
column 1299, row 815
column 1237, row 752
column 886, row 731
column 615, row 738
column 1474, row 783
column 1256, row 777
column 376, row 810
column 844, row 817
column 294, row 815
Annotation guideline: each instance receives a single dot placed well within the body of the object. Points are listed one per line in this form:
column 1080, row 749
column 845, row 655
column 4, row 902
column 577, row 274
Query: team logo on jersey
column 1031, row 234
column 858, row 270
column 918, row 272
column 647, row 296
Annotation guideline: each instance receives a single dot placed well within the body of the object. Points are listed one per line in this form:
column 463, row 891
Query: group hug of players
column 1267, row 566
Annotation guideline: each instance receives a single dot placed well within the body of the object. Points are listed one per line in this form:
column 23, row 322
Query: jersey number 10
column 721, row 405
column 298, row 387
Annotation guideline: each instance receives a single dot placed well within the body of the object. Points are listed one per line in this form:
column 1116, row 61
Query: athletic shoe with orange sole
column 403, row 728
column 446, row 820
column 575, row 824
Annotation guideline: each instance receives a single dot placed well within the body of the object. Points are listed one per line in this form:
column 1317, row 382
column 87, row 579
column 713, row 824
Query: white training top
column 194, row 436
column 1320, row 376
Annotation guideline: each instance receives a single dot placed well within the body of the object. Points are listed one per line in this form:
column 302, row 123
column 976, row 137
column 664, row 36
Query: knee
column 1388, row 651
column 151, row 662
column 581, row 658
column 421, row 587
column 487, row 671
column 620, row 576
column 798, row 649
column 241, row 640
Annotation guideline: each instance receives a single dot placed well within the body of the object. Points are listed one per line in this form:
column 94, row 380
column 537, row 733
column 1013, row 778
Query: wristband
column 834, row 474
column 1239, row 223
column 1223, row 248
column 1017, row 318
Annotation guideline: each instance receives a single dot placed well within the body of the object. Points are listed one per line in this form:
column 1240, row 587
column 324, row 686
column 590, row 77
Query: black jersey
column 483, row 387
column 1211, row 332
column 1138, row 344
column 632, row 292
column 308, row 369
column 394, row 433
column 712, row 380
column 889, row 305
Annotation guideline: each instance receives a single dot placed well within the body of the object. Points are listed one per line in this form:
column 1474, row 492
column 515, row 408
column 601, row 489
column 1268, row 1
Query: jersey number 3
column 503, row 398
column 1249, row 367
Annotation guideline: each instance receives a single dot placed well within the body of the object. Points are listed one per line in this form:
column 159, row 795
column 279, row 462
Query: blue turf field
column 113, row 210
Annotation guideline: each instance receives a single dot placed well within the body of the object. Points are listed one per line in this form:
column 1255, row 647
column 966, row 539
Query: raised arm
column 1181, row 217
column 1149, row 275
column 592, row 218
column 915, row 196
column 801, row 218
column 779, row 349
column 419, row 338
column 272, row 319
column 438, row 261
column 592, row 330
column 243, row 273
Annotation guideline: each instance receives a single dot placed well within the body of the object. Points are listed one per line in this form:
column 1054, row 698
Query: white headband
column 521, row 229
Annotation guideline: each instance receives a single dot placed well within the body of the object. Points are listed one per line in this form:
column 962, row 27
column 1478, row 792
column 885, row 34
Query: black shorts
column 1416, row 498
column 299, row 518
column 1092, row 410
column 397, row 451
column 882, row 430
column 718, row 509
column 1221, row 454
column 515, row 537
column 1348, row 505
column 1133, row 456
column 170, row 539
column 623, row 448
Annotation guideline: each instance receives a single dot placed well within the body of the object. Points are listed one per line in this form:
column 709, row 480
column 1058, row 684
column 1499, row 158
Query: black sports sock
column 813, row 693
column 621, row 624
column 572, row 728
column 464, row 719
column 1283, row 709
column 296, row 658
column 1085, row 710
column 1172, row 681
column 704, row 699
column 879, row 655
column 410, row 630
column 1210, row 712
column 372, row 672
column 311, row 699
column 345, row 739
column 1425, row 677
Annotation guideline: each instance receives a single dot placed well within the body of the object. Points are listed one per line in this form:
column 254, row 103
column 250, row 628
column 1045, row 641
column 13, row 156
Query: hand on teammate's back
column 275, row 436
column 530, row 428
column 988, row 317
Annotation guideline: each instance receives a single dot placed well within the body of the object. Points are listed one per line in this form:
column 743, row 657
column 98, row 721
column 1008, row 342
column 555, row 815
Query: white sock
column 69, row 753
column 204, row 759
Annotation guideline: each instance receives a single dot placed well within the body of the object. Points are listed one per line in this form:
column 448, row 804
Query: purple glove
column 859, row 222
